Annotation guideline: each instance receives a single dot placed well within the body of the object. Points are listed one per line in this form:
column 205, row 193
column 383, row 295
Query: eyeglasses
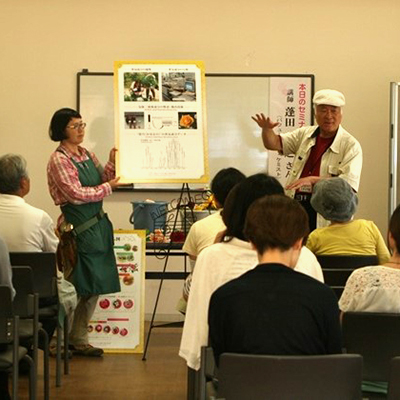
column 81, row 125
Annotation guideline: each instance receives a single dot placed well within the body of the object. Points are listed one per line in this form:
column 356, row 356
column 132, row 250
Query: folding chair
column 26, row 303
column 43, row 265
column 375, row 336
column 14, row 353
column 338, row 268
column 262, row 377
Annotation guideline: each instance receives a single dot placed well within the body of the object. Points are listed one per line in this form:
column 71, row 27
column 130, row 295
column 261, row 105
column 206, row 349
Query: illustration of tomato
column 105, row 303
column 124, row 332
column 128, row 303
column 90, row 328
column 117, row 303
column 115, row 330
column 99, row 328
column 107, row 329
column 128, row 280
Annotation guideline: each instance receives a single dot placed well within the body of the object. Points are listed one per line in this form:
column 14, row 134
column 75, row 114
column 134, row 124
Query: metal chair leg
column 58, row 357
column 66, row 346
column 46, row 364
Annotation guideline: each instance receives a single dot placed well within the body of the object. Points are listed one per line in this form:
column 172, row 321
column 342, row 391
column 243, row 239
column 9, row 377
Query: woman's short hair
column 224, row 181
column 59, row 122
column 394, row 227
column 241, row 197
column 12, row 170
column 276, row 222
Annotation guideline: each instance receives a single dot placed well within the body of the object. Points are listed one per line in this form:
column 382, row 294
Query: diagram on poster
column 118, row 321
column 160, row 121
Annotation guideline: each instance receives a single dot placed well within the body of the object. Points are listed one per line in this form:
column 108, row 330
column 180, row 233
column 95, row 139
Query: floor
column 123, row 376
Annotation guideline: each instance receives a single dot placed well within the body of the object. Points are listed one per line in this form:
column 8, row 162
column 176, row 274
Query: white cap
column 329, row 97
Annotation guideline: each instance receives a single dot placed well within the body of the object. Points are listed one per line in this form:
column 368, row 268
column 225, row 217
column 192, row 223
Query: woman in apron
column 78, row 184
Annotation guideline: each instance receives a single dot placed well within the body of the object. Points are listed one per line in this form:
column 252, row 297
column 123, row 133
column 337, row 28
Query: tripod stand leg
column 185, row 188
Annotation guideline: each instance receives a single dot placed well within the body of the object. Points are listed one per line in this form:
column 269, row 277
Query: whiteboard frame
column 177, row 187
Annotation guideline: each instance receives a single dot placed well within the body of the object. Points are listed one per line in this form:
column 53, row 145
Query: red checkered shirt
column 63, row 179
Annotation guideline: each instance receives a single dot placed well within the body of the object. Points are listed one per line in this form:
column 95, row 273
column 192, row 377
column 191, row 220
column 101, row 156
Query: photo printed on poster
column 160, row 121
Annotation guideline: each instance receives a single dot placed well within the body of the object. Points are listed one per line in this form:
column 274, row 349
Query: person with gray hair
column 336, row 201
column 322, row 151
column 12, row 171
column 22, row 226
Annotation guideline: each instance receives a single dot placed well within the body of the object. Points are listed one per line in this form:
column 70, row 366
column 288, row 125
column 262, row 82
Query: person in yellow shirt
column 336, row 201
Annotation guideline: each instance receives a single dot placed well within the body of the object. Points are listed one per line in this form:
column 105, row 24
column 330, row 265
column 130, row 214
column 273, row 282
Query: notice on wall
column 117, row 324
column 160, row 121
column 291, row 106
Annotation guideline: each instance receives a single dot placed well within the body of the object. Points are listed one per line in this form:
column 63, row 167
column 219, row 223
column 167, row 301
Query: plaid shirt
column 63, row 178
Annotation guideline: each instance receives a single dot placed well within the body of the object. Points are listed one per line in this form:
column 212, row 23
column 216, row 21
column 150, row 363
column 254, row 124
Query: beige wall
column 349, row 46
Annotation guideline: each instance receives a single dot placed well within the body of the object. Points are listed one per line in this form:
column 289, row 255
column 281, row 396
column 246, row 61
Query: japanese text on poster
column 160, row 121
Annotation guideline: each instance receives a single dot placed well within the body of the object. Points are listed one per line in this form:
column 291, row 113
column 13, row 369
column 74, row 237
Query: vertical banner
column 117, row 324
column 291, row 106
column 160, row 121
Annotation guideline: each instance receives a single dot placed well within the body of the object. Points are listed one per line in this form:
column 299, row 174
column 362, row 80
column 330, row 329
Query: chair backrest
column 256, row 377
column 376, row 336
column 22, row 278
column 337, row 268
column 43, row 265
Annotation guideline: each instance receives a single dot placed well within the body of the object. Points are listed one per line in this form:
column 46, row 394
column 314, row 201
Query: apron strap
column 89, row 223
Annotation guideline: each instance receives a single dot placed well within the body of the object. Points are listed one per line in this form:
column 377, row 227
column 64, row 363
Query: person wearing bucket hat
column 321, row 151
column 336, row 201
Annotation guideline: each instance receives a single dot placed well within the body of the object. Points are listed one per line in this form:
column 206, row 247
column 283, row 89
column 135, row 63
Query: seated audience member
column 23, row 227
column 5, row 279
column 222, row 262
column 26, row 228
column 5, row 266
column 203, row 232
column 376, row 288
column 336, row 201
column 273, row 309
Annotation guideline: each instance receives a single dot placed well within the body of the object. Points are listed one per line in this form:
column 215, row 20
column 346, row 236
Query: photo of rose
column 187, row 120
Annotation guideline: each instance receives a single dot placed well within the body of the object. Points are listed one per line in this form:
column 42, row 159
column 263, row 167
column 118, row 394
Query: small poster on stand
column 117, row 324
column 160, row 121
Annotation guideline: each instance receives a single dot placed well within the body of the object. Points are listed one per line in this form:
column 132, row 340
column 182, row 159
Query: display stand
column 181, row 205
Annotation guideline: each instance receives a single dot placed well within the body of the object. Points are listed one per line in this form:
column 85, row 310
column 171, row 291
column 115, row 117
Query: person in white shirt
column 25, row 228
column 204, row 231
column 222, row 262
column 22, row 226
column 322, row 151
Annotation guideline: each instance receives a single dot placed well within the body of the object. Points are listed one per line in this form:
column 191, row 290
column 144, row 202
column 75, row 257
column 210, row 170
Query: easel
column 185, row 190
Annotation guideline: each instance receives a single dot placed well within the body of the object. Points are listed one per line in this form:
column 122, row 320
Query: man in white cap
column 322, row 151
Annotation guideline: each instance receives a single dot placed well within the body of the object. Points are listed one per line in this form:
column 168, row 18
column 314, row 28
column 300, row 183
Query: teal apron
column 96, row 270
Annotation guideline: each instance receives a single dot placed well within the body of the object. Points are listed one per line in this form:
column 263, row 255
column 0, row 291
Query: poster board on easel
column 117, row 325
column 160, row 122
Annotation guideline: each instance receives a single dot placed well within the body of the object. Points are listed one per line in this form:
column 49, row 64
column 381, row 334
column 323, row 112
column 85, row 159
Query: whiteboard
column 234, row 139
